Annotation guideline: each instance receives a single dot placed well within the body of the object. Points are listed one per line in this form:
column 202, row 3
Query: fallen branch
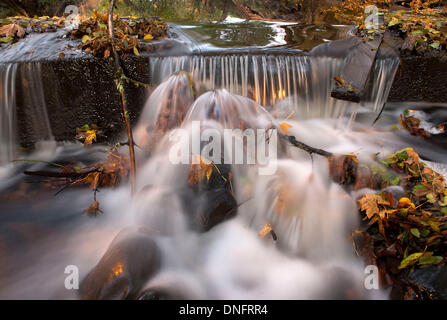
column 120, row 78
column 303, row 146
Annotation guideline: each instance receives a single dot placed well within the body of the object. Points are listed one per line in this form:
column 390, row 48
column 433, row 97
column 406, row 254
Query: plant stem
column 119, row 73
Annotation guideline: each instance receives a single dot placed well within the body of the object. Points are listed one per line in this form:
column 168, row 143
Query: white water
column 297, row 83
column 27, row 76
column 313, row 256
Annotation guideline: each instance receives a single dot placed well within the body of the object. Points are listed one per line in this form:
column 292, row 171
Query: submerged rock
column 131, row 260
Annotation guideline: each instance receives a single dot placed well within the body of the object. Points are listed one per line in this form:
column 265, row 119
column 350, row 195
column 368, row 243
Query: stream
column 235, row 75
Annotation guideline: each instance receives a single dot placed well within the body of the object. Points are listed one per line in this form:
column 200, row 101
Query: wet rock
column 208, row 208
column 131, row 260
column 420, row 78
column 354, row 76
column 429, row 282
column 76, row 92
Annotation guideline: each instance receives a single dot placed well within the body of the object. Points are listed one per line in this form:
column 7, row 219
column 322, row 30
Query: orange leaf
column 198, row 171
column 284, row 127
column 266, row 229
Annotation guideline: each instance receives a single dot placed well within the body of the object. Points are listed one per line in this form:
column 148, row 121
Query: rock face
column 420, row 78
column 82, row 91
column 430, row 282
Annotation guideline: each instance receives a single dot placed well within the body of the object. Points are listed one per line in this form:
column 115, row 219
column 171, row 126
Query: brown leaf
column 93, row 209
column 370, row 203
column 198, row 172
column 411, row 124
column 11, row 30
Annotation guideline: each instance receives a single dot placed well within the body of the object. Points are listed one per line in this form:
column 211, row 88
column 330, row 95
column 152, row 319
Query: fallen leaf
column 266, row 229
column 410, row 260
column 12, row 30
column 148, row 37
column 85, row 38
column 93, row 209
column 370, row 203
column 284, row 127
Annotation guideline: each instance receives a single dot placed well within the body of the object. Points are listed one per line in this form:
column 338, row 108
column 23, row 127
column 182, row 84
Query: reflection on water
column 241, row 34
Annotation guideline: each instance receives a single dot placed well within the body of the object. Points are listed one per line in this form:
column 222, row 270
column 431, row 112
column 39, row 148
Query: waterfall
column 7, row 112
column 285, row 83
column 21, row 85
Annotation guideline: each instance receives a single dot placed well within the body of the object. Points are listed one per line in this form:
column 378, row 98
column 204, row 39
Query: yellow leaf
column 135, row 51
column 266, row 229
column 90, row 136
column 284, row 127
column 405, row 203
column 85, row 38
column 410, row 260
column 148, row 37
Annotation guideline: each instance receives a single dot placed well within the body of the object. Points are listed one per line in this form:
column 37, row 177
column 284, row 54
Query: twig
column 120, row 77
column 303, row 146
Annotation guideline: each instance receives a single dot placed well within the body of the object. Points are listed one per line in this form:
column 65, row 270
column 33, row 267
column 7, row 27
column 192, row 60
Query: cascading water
column 25, row 77
column 171, row 240
column 8, row 133
column 292, row 83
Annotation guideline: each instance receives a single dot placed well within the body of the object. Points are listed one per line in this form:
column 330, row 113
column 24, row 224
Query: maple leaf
column 11, row 30
column 199, row 169
column 370, row 203
column 284, row 127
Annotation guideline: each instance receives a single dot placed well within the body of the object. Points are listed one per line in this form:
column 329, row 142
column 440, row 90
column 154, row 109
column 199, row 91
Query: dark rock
column 131, row 260
column 420, row 78
column 357, row 70
column 208, row 208
column 430, row 282
column 78, row 92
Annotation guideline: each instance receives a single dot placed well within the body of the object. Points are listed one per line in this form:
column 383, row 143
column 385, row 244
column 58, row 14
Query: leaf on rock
column 12, row 30
column 429, row 259
column 148, row 37
column 370, row 204
column 410, row 260
column 85, row 38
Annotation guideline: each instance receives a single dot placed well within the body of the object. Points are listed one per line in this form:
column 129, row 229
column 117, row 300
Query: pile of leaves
column 400, row 229
column 421, row 29
column 353, row 11
column 13, row 29
column 129, row 32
